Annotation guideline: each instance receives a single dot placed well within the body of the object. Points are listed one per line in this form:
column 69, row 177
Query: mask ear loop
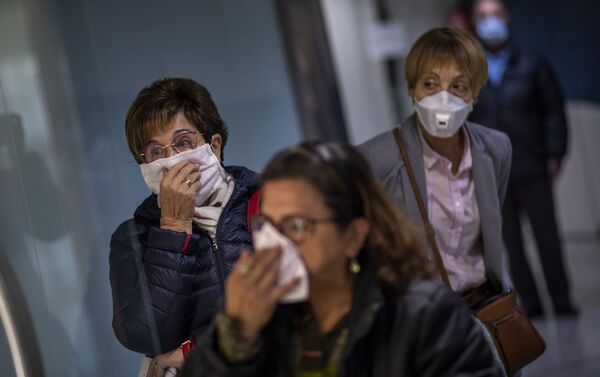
column 212, row 139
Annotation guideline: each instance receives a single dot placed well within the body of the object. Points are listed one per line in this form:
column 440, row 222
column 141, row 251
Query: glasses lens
column 294, row 228
column 153, row 152
column 185, row 142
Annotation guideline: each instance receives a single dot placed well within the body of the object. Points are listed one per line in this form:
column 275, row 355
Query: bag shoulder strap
column 253, row 207
column 430, row 232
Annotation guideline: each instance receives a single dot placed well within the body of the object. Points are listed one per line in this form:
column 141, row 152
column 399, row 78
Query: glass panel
column 7, row 367
column 68, row 72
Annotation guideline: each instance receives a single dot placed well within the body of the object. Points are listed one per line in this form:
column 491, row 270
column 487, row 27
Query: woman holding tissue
column 354, row 265
column 169, row 262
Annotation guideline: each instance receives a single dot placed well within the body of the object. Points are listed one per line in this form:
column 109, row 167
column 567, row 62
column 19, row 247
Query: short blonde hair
column 441, row 46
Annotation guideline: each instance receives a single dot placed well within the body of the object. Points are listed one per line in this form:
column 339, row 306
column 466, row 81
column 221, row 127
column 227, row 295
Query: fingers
column 283, row 289
column 244, row 264
column 269, row 278
column 251, row 289
column 167, row 361
column 173, row 170
column 182, row 177
column 265, row 261
column 181, row 170
column 155, row 370
column 259, row 271
column 193, row 177
column 184, row 173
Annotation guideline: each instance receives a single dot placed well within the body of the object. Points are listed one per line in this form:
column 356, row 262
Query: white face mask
column 212, row 173
column 291, row 265
column 443, row 114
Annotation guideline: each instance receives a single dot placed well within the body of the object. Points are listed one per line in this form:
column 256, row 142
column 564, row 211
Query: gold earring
column 354, row 266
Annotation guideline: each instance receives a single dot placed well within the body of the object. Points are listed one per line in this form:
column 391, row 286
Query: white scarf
column 207, row 216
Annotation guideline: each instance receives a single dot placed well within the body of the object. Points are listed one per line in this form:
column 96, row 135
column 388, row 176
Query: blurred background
column 280, row 71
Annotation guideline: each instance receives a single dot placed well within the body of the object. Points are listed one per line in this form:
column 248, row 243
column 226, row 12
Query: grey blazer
column 491, row 152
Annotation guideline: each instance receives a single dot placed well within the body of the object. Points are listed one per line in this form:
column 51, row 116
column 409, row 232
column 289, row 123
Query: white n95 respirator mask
column 442, row 114
column 291, row 265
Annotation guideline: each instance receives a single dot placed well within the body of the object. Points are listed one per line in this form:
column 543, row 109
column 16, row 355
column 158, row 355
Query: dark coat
column 425, row 332
column 528, row 105
column 162, row 295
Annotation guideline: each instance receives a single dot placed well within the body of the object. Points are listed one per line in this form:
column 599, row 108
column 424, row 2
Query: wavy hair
column 349, row 190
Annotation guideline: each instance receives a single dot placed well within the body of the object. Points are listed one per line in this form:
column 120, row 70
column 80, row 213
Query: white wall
column 578, row 187
column 367, row 99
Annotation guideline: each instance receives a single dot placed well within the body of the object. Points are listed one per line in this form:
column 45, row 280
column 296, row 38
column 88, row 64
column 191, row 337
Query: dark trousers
column 533, row 197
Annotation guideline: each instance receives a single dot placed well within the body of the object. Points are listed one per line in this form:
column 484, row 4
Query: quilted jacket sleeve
column 450, row 343
column 151, row 277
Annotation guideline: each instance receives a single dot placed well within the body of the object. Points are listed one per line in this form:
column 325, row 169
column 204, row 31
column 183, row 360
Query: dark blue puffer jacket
column 162, row 294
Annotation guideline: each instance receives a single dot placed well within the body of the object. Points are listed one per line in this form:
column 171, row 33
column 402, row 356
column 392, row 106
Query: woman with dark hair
column 370, row 308
column 168, row 263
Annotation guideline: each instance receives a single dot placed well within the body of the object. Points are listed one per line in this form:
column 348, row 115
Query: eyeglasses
column 293, row 227
column 182, row 143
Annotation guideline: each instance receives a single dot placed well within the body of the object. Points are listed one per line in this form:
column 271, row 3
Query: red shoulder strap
column 253, row 207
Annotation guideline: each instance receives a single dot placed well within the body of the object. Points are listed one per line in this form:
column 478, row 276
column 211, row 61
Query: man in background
column 524, row 99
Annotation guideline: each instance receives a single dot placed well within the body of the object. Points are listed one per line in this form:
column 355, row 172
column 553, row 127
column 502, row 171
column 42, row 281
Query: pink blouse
column 454, row 214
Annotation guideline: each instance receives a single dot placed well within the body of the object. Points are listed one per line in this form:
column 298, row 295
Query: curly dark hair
column 349, row 189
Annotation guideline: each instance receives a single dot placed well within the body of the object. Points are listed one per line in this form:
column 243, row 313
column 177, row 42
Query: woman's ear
column 216, row 144
column 355, row 236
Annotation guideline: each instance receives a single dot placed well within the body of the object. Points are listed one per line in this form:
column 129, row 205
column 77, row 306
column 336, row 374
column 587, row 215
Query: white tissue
column 291, row 265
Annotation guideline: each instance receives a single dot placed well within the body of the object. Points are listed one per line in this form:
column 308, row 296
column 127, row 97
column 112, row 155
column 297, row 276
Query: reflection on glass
column 7, row 367
column 19, row 352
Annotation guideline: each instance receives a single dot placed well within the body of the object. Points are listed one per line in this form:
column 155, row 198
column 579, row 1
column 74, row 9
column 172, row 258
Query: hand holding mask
column 291, row 265
column 212, row 174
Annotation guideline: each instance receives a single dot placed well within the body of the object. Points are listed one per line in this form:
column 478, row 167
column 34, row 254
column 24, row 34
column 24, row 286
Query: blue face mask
column 492, row 30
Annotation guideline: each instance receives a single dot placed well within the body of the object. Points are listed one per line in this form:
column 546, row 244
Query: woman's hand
column 160, row 363
column 252, row 293
column 177, row 195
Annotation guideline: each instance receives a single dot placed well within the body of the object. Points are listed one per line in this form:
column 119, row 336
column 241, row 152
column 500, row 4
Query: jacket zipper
column 213, row 239
column 215, row 250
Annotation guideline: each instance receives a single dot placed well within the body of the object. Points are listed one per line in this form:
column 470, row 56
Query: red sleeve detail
column 187, row 346
column 253, row 207
column 188, row 237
